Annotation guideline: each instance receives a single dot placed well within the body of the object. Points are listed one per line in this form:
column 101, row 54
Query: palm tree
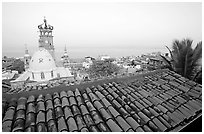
column 185, row 60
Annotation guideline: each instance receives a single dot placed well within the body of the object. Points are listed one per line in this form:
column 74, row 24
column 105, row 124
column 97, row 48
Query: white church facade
column 42, row 66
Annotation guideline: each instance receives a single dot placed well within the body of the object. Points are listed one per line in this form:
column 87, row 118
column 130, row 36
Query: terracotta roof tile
column 159, row 125
column 110, row 98
column 139, row 105
column 168, row 126
column 162, row 108
column 21, row 103
column 70, row 93
column 65, row 102
column 113, row 112
column 30, row 129
column 58, row 112
column 30, row 120
column 62, row 124
column 113, row 126
column 63, row 94
column 20, row 114
column 123, row 124
column 84, row 130
column 102, row 127
column 139, row 129
column 77, row 93
column 50, row 115
column 106, row 116
column 161, row 101
column 90, row 106
column 96, row 118
column 72, row 101
column 6, row 126
column 88, row 90
column 84, row 110
column 41, row 127
column 40, row 98
column 143, row 117
column 186, row 112
column 146, row 128
column 100, row 95
column 85, row 97
column 49, row 105
column 40, row 106
column 72, row 125
column 93, row 97
column 9, row 115
column 194, row 93
column 153, row 127
column 18, row 125
column 183, row 88
column 132, row 122
column 94, row 129
column 31, row 99
column 52, row 127
column 80, row 123
column 88, row 120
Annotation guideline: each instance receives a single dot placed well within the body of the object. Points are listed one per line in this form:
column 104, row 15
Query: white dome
column 42, row 61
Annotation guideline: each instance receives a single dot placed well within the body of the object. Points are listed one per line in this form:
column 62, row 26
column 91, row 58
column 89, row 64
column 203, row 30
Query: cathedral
column 41, row 67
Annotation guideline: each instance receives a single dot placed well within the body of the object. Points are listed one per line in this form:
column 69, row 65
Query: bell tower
column 27, row 58
column 46, row 38
column 65, row 58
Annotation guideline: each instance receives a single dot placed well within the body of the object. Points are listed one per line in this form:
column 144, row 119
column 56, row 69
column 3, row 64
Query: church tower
column 65, row 58
column 27, row 58
column 46, row 38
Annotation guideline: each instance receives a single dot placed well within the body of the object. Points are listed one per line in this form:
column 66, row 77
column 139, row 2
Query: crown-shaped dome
column 45, row 26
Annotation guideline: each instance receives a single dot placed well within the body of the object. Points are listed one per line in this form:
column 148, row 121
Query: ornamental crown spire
column 45, row 26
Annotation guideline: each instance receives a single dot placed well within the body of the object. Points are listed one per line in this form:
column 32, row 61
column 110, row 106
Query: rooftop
column 157, row 101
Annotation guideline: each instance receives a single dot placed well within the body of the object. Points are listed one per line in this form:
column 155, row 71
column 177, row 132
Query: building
column 27, row 58
column 104, row 57
column 46, row 38
column 65, row 59
column 42, row 66
column 9, row 74
column 88, row 62
column 7, row 63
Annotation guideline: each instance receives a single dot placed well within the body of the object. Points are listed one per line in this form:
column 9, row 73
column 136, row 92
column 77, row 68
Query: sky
column 91, row 29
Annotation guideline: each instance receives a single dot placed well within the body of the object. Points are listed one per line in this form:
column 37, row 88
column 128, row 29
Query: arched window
column 33, row 75
column 52, row 74
column 42, row 75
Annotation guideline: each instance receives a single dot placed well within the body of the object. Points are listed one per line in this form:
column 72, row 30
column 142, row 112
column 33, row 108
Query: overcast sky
column 91, row 29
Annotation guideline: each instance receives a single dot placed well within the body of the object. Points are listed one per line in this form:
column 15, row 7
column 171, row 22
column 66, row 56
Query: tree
column 18, row 65
column 101, row 68
column 185, row 60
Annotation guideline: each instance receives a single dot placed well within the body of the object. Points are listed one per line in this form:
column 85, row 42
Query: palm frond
column 197, row 74
column 188, row 68
column 168, row 63
column 172, row 57
column 197, row 54
column 176, row 47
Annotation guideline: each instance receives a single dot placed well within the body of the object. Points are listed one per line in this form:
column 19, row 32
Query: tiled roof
column 163, row 101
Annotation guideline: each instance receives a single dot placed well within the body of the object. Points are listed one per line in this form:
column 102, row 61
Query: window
column 40, row 60
column 51, row 73
column 42, row 75
column 58, row 75
column 33, row 75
